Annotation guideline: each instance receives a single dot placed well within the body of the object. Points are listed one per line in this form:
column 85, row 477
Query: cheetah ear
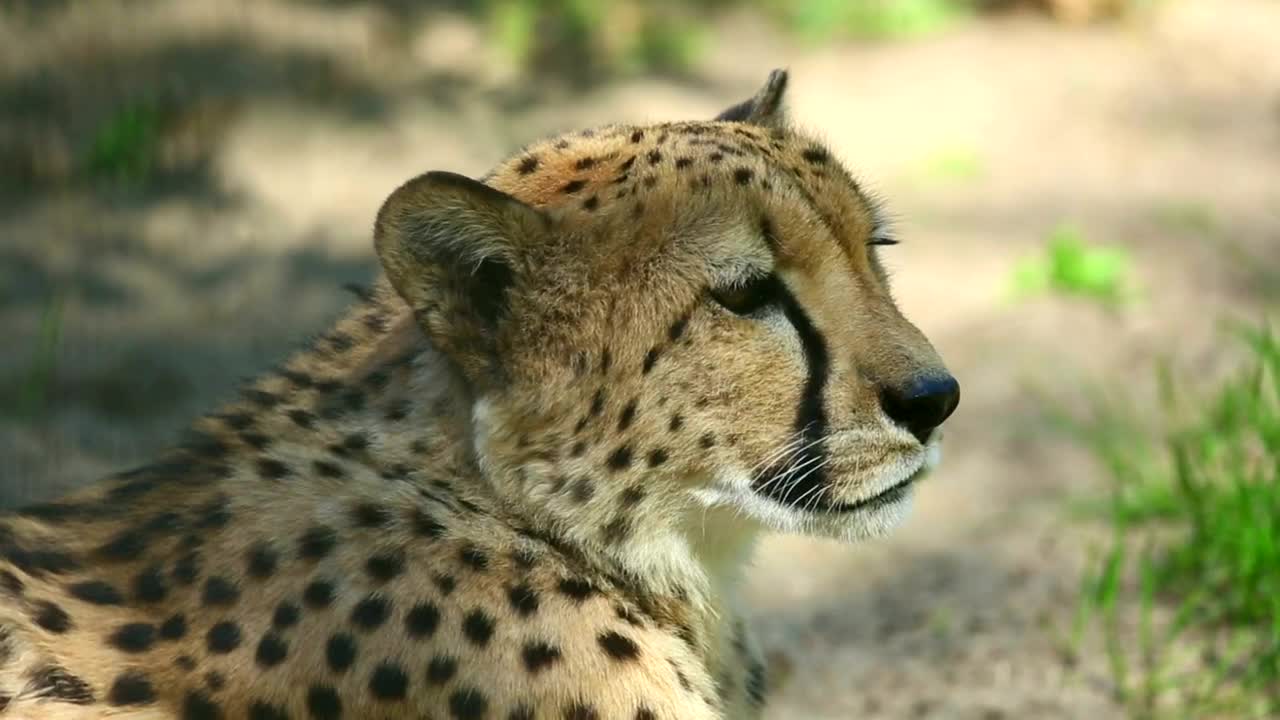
column 765, row 108
column 449, row 246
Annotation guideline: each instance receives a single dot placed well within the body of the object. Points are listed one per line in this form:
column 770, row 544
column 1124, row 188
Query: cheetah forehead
column 602, row 168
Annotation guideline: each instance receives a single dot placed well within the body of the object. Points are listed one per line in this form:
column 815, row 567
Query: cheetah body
column 518, row 479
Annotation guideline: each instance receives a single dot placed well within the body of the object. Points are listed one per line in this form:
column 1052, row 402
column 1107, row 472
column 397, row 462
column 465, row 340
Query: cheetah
column 521, row 477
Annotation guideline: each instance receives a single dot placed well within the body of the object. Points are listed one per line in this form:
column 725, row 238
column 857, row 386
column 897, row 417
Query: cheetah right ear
column 765, row 108
column 450, row 247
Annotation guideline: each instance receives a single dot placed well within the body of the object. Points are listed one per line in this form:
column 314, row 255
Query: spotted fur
column 521, row 477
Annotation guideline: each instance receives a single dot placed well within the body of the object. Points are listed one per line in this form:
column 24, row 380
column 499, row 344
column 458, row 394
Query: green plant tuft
column 1071, row 266
column 1203, row 494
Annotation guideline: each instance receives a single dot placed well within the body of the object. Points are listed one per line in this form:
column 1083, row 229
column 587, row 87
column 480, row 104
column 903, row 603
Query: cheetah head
column 657, row 319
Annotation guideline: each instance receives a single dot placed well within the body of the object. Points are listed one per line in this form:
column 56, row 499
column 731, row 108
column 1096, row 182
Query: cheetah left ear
column 765, row 108
column 450, row 246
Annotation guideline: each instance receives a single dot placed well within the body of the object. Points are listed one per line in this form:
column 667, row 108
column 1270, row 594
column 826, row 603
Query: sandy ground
column 298, row 118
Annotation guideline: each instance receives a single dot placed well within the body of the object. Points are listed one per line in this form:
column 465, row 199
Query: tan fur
column 526, row 459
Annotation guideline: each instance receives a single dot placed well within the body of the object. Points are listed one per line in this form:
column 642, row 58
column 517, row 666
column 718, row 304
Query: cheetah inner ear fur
column 766, row 107
column 450, row 247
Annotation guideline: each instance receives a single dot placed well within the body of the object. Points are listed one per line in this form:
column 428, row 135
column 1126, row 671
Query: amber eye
column 748, row 296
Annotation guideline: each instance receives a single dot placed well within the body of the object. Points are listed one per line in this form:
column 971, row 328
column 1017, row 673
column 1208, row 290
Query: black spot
column 657, row 457
column 185, row 663
column 54, row 682
column 149, row 585
column 616, row 531
column 618, row 647
column 388, row 682
column 425, row 525
column 650, row 359
column 677, row 328
column 815, row 155
column 474, row 558
column 591, row 203
column 126, row 545
column 578, row 449
column 133, row 637
column 96, row 592
column 302, row 418
column 467, row 703
column 524, row 600
column 215, row 680
column 261, row 560
column 576, row 588
column 422, row 620
column 583, row 490
column 187, row 568
column 317, row 542
column 297, row 378
column 655, row 157
column 573, row 186
column 198, row 706
column 370, row 612
column 444, row 583
column 220, row 592
column 323, row 703
column 173, row 628
column 631, row 497
column 263, row 711
column 318, row 594
column 11, row 583
column 527, row 165
column 397, row 411
column 539, row 656
column 257, row 441
column 272, row 469
column 707, row 441
column 328, row 469
column 131, row 688
column 286, row 615
column 580, row 711
column 585, row 163
column 340, row 652
column 684, row 162
column 597, row 402
column 757, row 683
column 637, row 136
column 441, row 669
column 628, row 416
column 223, row 637
column 478, row 627
column 385, row 566
column 355, row 442
column 620, row 459
column 645, row 713
column 52, row 617
column 370, row 515
column 272, row 650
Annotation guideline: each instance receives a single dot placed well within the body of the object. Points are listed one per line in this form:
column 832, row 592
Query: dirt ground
column 299, row 117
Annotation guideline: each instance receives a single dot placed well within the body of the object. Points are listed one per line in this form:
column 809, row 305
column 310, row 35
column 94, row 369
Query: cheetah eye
column 749, row 295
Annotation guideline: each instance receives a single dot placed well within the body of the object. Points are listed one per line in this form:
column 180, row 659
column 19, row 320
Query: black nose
column 923, row 405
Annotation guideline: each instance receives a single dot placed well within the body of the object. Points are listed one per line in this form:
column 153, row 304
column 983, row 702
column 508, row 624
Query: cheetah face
column 662, row 318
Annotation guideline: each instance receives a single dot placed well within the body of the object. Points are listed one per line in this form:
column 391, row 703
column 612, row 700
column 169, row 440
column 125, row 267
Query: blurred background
column 1088, row 194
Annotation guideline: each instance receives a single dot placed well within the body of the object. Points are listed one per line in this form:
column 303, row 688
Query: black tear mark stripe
column 809, row 484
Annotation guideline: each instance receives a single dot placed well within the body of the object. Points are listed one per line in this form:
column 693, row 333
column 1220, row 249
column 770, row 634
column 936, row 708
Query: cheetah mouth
column 892, row 494
column 814, row 495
